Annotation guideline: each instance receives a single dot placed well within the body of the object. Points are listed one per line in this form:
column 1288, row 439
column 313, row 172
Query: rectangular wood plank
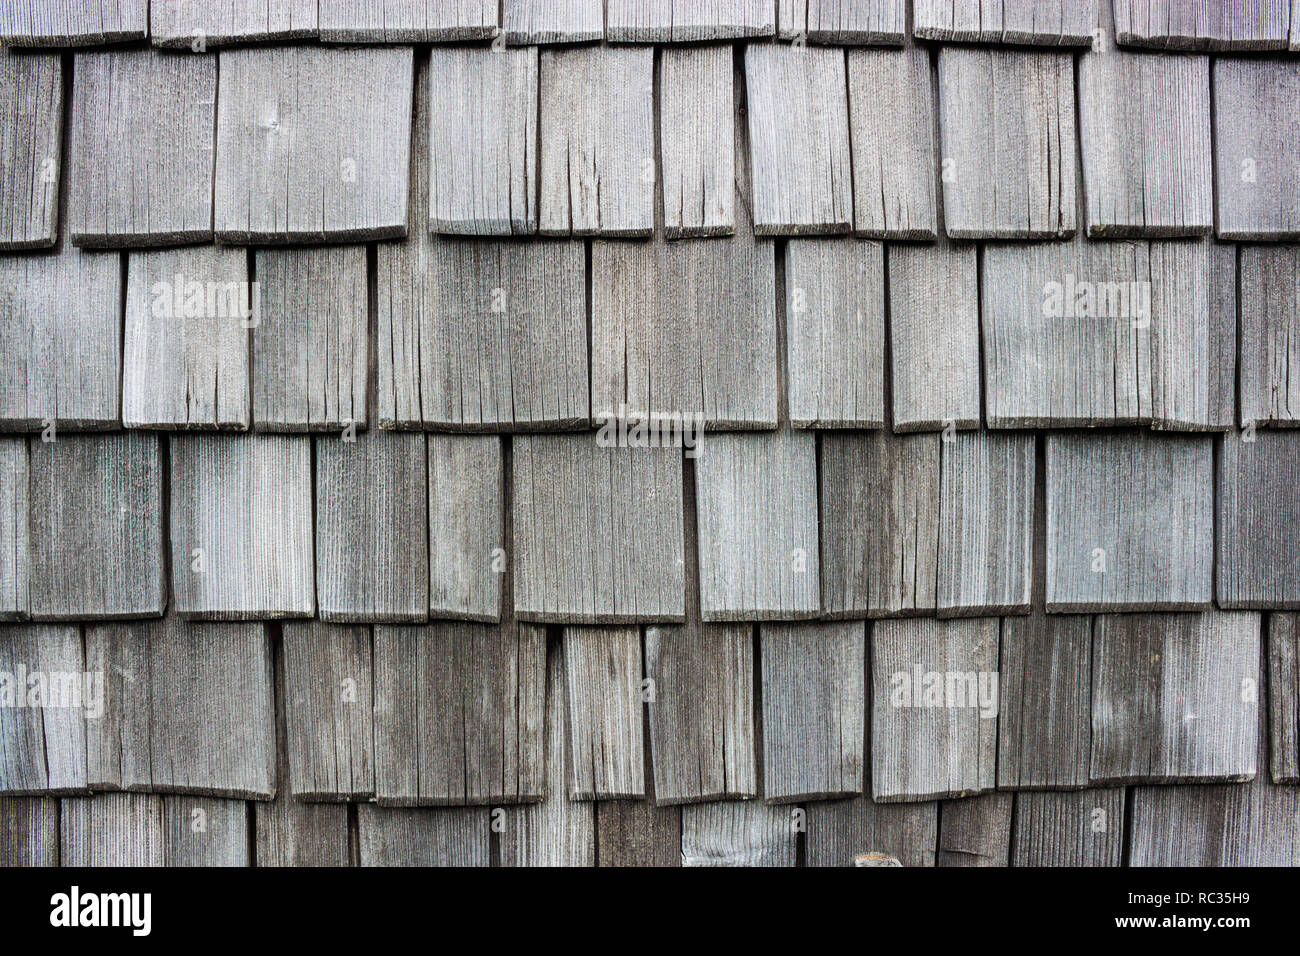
column 605, row 744
column 423, row 837
column 1270, row 335
column 31, row 143
column 15, row 530
column 46, row 697
column 861, row 832
column 1083, row 828
column 467, row 543
column 697, row 141
column 31, row 829
column 1258, row 517
column 975, row 831
column 111, row 829
column 204, row 831
column 738, row 833
column 1284, row 697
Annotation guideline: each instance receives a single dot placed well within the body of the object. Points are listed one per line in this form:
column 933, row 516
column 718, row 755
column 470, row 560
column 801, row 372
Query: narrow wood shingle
column 15, row 531
column 603, row 673
column 697, row 132
column 1270, row 335
column 42, row 23
column 48, row 695
column 111, row 829
column 187, row 24
column 407, row 21
column 1034, row 22
column 844, row 21
column 1284, row 698
column 1203, row 24
column 31, row 829
column 31, row 138
column 1085, row 828
column 467, row 546
column 739, row 833
column 552, row 21
column 975, row 831
column 687, row 21
column 1258, row 510
column 861, row 832
column 395, row 836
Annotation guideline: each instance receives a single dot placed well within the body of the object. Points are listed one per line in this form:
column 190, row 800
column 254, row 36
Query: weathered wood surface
column 697, row 141
column 290, row 833
column 31, row 159
column 1284, row 698
column 637, row 833
column 861, row 832
column 604, row 685
column 423, row 837
column 1256, row 179
column 53, row 23
column 47, row 700
column 874, row 22
column 31, row 829
column 738, row 833
column 204, row 831
column 1258, row 510
column 241, row 527
column 1203, row 24
column 687, row 21
column 1036, row 22
column 975, row 832
column 15, row 533
column 407, row 21
column 1270, row 335
column 467, row 539
column 1085, row 828
column 112, row 829
column 191, row 24
column 552, row 21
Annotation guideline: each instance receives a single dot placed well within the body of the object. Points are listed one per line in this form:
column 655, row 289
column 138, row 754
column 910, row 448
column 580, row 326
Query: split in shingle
column 835, row 333
column 1085, row 828
column 1203, row 24
column 291, row 833
column 975, row 831
column 844, row 21
column 458, row 714
column 296, row 160
column 111, row 829
column 605, row 743
column 15, row 533
column 1008, row 135
column 142, row 149
column 31, row 135
column 96, row 528
column 739, row 833
column 1258, row 510
column 861, row 832
column 688, row 21
column 1284, row 698
column 880, row 523
column 1035, row 22
column 467, row 556
column 199, row 24
column 597, row 142
column 204, row 831
column 52, row 23
column 814, row 710
column 47, row 695
column 552, row 21
column 637, row 833
column 697, row 131
column 31, row 829
column 186, row 339
column 241, row 526
column 1270, row 335
column 398, row 836
column 934, row 708
column 407, row 21
column 799, row 140
column 614, row 514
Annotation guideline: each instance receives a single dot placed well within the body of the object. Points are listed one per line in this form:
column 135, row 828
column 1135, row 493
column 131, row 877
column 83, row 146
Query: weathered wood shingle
column 31, row 829
column 1284, row 698
column 687, row 21
column 1203, row 25
column 48, row 696
column 390, row 836
column 637, row 833
column 43, row 23
column 406, row 21
column 15, row 531
column 31, row 135
column 697, row 141
column 552, row 21
column 199, row 24
column 739, row 833
column 844, row 21
column 467, row 544
column 1085, row 828
column 861, row 832
column 1037, row 22
column 1270, row 335
column 605, row 742
column 1258, row 509
column 111, row 829
column 975, row 831
column 204, row 831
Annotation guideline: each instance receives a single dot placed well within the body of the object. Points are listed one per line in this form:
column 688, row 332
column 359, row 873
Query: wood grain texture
column 861, row 832
column 15, row 530
column 597, row 142
column 1130, row 522
column 53, row 23
column 96, row 528
column 637, row 833
column 697, row 141
column 603, row 674
column 891, row 127
column 296, row 161
column 738, row 833
column 186, row 339
column 185, row 24
column 290, row 833
column 31, row 829
column 1203, row 24
column 1284, row 698
column 204, row 831
column 930, row 736
column 407, row 21
column 458, row 714
column 142, row 149
column 372, row 538
column 1007, row 131
column 615, row 513
column 31, row 141
column 799, row 140
column 814, row 710
column 882, row 22
column 1270, row 335
column 46, row 699
column 467, row 560
column 328, row 711
column 112, row 830
column 975, row 832
column 1258, row 511
column 552, row 21
column 1034, row 22
column 835, row 333
column 758, row 542
column 687, row 21
column 241, row 527
column 880, row 524
column 61, row 341
column 423, row 837
column 1084, row 828
column 702, row 715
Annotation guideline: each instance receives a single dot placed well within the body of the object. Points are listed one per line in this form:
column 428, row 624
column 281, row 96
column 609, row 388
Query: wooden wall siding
column 1270, row 335
column 1258, row 511
column 975, row 832
column 882, row 22
column 814, row 710
column 1130, row 522
column 15, row 531
column 202, row 831
column 31, row 159
column 1045, row 701
column 483, row 141
column 1051, row 23
column 185, row 352
column 96, row 528
column 142, row 149
column 328, row 711
column 43, row 739
column 861, row 832
column 637, row 833
column 1284, row 697
column 423, row 837
column 702, row 713
column 552, row 21
column 458, row 714
column 183, row 23
column 758, row 544
column 603, row 674
column 697, row 130
column 407, row 21
column 880, row 521
column 467, row 545
column 61, row 342
column 189, row 708
column 1203, row 25
column 31, row 829
column 738, row 833
column 1256, row 104
column 597, row 143
column 835, row 333
column 891, row 126
column 986, row 517
column 111, row 829
column 1008, row 132
column 290, row 833
column 688, row 21
column 241, row 511
column 1175, row 697
column 921, row 747
column 296, row 161
column 1085, row 828
column 615, row 514
column 73, row 22
column 799, row 140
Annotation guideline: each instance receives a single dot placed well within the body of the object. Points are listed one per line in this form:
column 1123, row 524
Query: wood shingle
column 1258, row 517
column 697, row 141
column 407, row 21
column 1035, row 22
column 48, row 696
column 31, row 159
column 191, row 24
column 844, row 21
column 552, row 21
column 53, row 23
column 687, row 21
column 605, row 743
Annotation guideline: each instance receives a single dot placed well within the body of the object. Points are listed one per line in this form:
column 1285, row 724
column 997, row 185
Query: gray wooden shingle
column 467, row 559
column 407, row 21
column 891, row 125
column 835, row 333
column 241, row 526
column 975, row 832
column 861, row 832
column 814, row 710
column 1284, row 698
column 880, row 524
column 597, row 142
column 142, row 149
column 42, row 23
column 31, row 829
column 1270, row 335
column 296, row 160
column 61, row 341
column 702, row 712
column 458, row 714
column 844, row 21
column 637, row 833
column 758, row 540
column 1175, row 697
column 1008, row 132
column 1203, row 24
column 1258, row 511
column 1037, row 22
column 738, row 833
column 423, row 837
column 1085, row 828
column 552, row 21
column 186, row 339
column 290, row 833
column 96, row 528
column 933, row 724
column 204, row 831
column 15, row 534
column 111, row 829
column 799, row 140
column 603, row 673
column 31, row 138
column 46, row 697
column 187, row 24
column 697, row 131
column 687, row 21
column 614, row 513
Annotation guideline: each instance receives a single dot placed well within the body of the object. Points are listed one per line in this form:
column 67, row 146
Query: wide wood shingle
column 844, row 21
column 605, row 743
column 552, row 21
column 1036, row 22
column 637, row 833
column 687, row 21
column 1203, row 25
column 390, row 836
column 42, row 23
column 47, row 698
column 407, row 21
column 861, row 832
column 739, row 833
column 31, row 135
column 1258, row 510
column 111, row 829
column 187, row 24
column 1085, row 828
column 291, row 833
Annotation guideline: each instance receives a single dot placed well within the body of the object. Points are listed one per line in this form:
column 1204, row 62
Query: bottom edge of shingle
column 956, row 612
column 1037, row 786
column 592, row 796
column 29, row 424
column 109, row 241
column 578, row 620
column 415, row 803
column 340, row 616
column 1169, row 780
column 83, row 791
column 923, row 234
column 758, row 616
column 673, row 233
column 1136, row 230
column 719, row 796
column 1129, row 607
column 1010, row 235
column 862, row 424
column 332, row 796
column 44, row 40
column 514, row 427
column 785, row 799
column 27, row 245
column 930, row 795
column 795, row 230
column 1258, row 604
column 239, row 237
column 133, row 424
column 243, row 615
column 1258, row 235
column 919, row 425
column 97, row 617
